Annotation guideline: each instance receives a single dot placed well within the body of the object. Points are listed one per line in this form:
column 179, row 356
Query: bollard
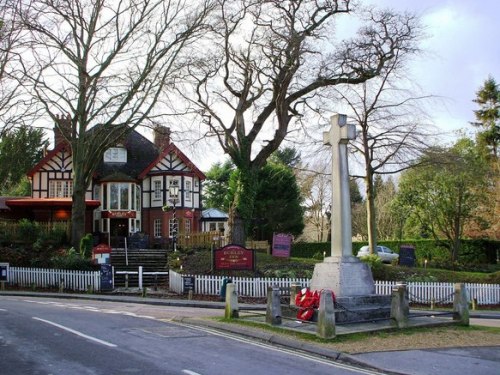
column 461, row 304
column 400, row 307
column 326, row 315
column 294, row 290
column 474, row 304
column 2, row 285
column 273, row 310
column 61, row 286
column 190, row 294
column 433, row 303
column 232, row 308
column 144, row 292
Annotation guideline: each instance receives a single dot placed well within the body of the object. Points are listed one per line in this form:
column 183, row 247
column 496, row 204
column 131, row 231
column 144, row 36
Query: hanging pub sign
column 234, row 257
column 282, row 244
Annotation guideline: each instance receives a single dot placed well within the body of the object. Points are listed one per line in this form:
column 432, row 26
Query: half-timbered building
column 140, row 186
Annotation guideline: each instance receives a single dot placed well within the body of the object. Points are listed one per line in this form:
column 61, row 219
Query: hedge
column 472, row 251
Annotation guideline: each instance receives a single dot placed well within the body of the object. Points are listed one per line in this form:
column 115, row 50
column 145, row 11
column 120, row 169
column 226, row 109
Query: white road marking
column 102, row 342
column 293, row 352
column 3, row 310
column 189, row 372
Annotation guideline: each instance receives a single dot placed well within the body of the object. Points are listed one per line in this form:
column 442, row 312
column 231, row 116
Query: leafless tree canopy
column 15, row 108
column 103, row 65
column 264, row 62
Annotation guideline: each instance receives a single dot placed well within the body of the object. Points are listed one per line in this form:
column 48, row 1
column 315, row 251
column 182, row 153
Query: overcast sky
column 462, row 50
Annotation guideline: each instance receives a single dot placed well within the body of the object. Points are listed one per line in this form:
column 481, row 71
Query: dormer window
column 115, row 155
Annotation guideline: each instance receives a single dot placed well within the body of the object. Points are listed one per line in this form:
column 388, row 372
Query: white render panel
column 170, row 162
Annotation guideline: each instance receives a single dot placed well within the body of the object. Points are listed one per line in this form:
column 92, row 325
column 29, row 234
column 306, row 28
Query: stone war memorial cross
column 341, row 272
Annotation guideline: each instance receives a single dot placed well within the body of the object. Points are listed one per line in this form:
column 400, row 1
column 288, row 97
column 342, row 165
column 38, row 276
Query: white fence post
column 140, row 277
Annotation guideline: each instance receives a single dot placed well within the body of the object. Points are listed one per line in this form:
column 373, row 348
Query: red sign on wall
column 118, row 214
column 234, row 257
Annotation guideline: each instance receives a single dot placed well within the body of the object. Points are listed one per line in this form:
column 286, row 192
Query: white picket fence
column 52, row 278
column 246, row 286
column 419, row 292
column 442, row 293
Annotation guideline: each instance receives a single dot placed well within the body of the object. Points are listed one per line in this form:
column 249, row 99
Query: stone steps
column 353, row 309
column 152, row 260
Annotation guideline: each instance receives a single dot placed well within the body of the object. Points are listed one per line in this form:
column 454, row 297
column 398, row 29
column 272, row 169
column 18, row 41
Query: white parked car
column 386, row 254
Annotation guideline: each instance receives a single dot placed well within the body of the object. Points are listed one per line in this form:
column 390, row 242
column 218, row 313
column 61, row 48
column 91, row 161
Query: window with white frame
column 157, row 190
column 188, row 191
column 187, row 226
column 120, row 196
column 115, row 155
column 157, row 228
column 60, row 188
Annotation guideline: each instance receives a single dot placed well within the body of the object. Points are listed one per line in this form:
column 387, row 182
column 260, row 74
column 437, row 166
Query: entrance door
column 118, row 230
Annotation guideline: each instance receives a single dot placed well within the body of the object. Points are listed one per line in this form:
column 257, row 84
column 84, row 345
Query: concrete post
column 461, row 305
column 294, row 290
column 326, row 316
column 400, row 308
column 232, row 308
column 273, row 310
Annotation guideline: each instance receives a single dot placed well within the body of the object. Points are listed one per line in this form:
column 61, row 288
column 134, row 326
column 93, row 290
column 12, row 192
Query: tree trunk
column 370, row 212
column 242, row 207
column 78, row 210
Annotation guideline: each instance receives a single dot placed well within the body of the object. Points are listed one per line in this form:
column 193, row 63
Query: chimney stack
column 161, row 136
column 63, row 123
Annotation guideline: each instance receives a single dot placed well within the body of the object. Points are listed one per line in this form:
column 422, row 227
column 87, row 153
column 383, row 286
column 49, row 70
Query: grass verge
column 404, row 339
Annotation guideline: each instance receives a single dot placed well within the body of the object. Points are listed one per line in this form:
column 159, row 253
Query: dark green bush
column 475, row 255
column 71, row 260
column 28, row 231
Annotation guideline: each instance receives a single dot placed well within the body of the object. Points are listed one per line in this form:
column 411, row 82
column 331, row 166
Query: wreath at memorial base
column 307, row 301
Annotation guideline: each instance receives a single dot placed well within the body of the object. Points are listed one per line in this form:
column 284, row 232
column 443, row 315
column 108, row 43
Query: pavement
column 444, row 361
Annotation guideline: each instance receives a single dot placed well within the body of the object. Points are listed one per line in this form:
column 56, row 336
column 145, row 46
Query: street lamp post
column 174, row 194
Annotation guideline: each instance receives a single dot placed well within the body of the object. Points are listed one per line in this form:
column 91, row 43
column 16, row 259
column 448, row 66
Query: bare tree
column 393, row 130
column 15, row 107
column 266, row 60
column 104, row 64
column 315, row 186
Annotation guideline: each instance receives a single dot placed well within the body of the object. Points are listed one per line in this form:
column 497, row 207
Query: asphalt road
column 50, row 336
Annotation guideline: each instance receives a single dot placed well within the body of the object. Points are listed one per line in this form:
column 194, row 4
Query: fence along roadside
column 420, row 292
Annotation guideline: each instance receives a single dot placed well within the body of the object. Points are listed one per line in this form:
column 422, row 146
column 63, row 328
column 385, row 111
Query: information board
column 4, row 271
column 188, row 283
column 234, row 257
column 282, row 245
column 106, row 277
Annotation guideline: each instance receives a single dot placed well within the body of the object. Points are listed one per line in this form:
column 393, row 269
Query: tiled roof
column 214, row 214
column 140, row 153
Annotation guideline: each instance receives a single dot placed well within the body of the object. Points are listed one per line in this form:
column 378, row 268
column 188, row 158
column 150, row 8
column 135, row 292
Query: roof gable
column 172, row 159
column 59, row 157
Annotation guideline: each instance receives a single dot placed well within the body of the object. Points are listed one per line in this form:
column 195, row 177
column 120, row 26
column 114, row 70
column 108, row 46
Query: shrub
column 28, row 231
column 71, row 260
column 86, row 246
